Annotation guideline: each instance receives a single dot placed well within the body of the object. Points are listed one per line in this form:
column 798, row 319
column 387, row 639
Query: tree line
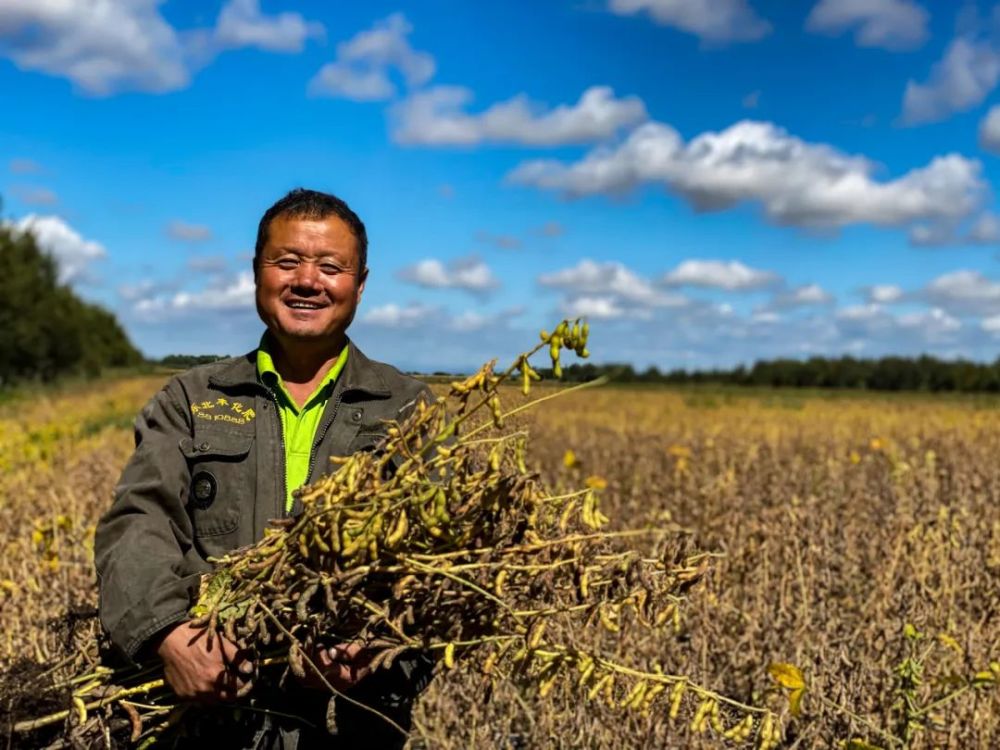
column 924, row 373
column 46, row 331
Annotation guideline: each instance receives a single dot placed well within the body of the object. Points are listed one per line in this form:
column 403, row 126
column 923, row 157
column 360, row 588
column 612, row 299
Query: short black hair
column 312, row 204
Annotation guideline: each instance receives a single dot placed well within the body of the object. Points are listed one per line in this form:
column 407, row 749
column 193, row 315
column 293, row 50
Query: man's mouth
column 304, row 305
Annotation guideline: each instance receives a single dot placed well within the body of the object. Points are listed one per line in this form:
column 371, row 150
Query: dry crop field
column 855, row 537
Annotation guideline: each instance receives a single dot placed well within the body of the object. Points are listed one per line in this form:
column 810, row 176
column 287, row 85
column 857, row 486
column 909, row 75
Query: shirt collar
column 269, row 376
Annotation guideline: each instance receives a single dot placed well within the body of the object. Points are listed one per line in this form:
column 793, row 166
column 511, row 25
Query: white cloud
column 869, row 324
column 890, row 24
column 363, row 63
column 437, row 117
column 102, row 46
column 395, row 316
column 991, row 325
column 241, row 24
column 985, row 230
column 592, row 279
column 969, row 70
column 931, row 322
column 232, row 294
column 884, row 294
column 989, row 130
column 593, row 307
column 109, row 46
column 710, row 20
column 471, row 321
column 730, row 275
column 184, row 232
column 138, row 290
column 964, row 292
column 468, row 274
column 796, row 183
column 807, row 295
column 72, row 253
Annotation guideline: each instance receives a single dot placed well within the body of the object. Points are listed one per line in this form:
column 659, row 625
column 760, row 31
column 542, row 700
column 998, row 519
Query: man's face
column 308, row 280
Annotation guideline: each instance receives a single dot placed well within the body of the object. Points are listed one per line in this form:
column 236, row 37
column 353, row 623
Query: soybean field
column 852, row 590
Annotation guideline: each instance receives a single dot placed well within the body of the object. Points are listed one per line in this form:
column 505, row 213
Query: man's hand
column 343, row 666
column 203, row 669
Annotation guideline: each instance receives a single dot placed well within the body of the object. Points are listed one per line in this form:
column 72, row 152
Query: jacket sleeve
column 147, row 565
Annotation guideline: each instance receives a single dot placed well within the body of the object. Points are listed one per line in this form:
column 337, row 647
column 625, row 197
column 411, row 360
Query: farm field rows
column 856, row 537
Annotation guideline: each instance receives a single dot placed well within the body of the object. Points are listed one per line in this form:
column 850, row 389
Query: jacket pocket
column 222, row 478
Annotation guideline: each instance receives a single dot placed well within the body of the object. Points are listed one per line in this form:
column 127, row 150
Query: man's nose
column 307, row 275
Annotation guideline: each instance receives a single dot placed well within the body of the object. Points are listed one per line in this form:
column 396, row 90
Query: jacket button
column 356, row 416
column 203, row 446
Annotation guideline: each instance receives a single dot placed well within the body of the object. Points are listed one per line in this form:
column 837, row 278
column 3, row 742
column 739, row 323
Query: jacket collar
column 359, row 373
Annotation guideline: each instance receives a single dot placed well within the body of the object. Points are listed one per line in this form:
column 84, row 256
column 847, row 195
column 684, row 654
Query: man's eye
column 288, row 264
column 329, row 269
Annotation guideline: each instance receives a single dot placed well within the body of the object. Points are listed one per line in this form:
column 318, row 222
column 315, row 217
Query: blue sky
column 707, row 181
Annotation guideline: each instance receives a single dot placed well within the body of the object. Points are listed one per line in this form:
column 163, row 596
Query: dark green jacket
column 208, row 474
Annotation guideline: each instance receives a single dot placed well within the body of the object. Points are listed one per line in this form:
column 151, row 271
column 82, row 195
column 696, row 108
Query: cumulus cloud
column 184, row 232
column 807, row 295
column 145, row 288
column 610, row 280
column 795, row 182
column 883, row 294
column 400, row 316
column 73, row 254
column 437, row 117
column 108, row 46
column 361, row 70
column 983, row 229
column 241, row 24
column 872, row 323
column 235, row 294
column 710, row 20
column 969, row 70
column 731, row 276
column 964, row 292
column 467, row 274
column 471, row 321
column 889, row 24
column 989, row 130
column 102, row 46
column 593, row 307
column 414, row 314
column 991, row 325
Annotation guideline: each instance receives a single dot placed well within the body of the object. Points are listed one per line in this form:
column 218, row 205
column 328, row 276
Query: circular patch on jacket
column 203, row 489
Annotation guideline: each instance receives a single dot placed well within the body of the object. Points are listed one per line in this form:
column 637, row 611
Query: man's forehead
column 327, row 236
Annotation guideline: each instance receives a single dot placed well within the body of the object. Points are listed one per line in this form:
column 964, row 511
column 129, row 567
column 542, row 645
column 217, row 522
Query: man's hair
column 312, row 204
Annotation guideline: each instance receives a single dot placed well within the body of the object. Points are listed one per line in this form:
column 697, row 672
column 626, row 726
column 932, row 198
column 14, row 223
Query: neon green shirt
column 298, row 425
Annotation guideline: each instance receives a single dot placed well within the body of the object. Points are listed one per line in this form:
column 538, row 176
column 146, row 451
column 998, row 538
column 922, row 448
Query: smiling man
column 221, row 450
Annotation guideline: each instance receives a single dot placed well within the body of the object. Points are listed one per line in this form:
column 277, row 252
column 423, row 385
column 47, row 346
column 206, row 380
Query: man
column 218, row 453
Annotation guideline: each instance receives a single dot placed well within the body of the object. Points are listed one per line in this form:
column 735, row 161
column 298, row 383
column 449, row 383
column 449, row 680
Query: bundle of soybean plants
column 444, row 540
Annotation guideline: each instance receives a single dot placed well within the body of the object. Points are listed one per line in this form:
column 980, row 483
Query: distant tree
column 45, row 329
